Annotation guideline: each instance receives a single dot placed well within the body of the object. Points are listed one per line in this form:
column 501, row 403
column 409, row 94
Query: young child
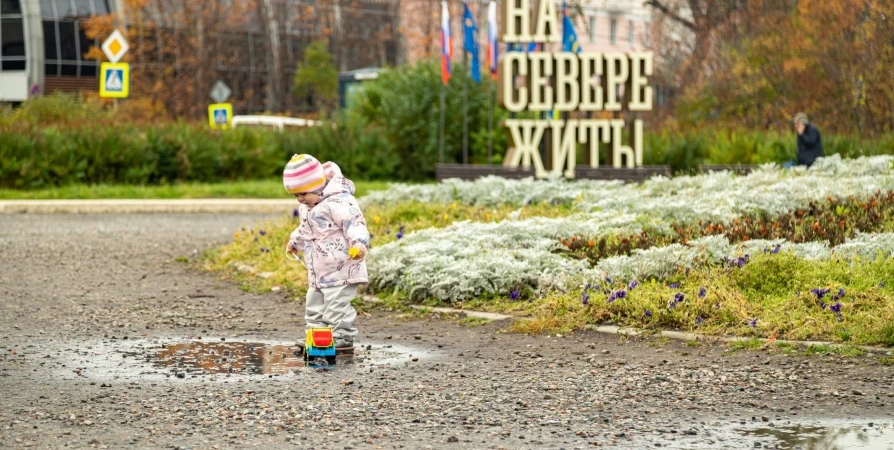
column 334, row 239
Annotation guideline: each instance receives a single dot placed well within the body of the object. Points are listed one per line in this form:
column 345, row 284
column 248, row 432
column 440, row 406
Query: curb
column 624, row 331
column 181, row 206
column 476, row 314
column 686, row 336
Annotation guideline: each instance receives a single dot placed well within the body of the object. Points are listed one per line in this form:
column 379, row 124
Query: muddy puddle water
column 217, row 358
column 824, row 435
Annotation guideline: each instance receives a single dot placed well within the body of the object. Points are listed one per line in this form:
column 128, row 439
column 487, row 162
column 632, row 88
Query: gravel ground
column 74, row 288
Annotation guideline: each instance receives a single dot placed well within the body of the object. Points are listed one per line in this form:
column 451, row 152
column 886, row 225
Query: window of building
column 83, row 7
column 12, row 36
column 10, row 7
column 631, row 27
column 65, row 42
column 592, row 30
column 614, row 31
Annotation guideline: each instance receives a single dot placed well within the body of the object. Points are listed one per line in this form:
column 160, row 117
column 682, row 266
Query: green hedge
column 161, row 154
column 59, row 140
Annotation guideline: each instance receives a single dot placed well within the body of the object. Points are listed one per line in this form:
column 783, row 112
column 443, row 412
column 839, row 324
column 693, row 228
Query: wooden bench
column 472, row 172
column 738, row 169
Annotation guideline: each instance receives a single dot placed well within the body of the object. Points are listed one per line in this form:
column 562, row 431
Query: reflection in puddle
column 842, row 436
column 245, row 358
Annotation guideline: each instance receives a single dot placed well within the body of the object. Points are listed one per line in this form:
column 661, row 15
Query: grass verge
column 256, row 257
column 271, row 188
column 774, row 296
column 768, row 298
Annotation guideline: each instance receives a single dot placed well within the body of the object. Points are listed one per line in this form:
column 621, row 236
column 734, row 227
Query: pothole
column 217, row 358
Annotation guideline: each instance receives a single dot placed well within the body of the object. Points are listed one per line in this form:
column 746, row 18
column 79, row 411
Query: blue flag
column 569, row 36
column 470, row 41
column 531, row 47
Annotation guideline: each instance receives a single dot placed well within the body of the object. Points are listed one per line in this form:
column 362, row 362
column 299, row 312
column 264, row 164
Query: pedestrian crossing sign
column 114, row 80
column 220, row 115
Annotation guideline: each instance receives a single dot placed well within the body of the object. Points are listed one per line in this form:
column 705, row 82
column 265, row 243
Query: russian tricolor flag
column 492, row 44
column 446, row 44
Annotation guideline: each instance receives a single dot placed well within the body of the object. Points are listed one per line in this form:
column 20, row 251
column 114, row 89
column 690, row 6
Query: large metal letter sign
column 604, row 85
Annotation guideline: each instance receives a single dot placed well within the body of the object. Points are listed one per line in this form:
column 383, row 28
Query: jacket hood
column 336, row 182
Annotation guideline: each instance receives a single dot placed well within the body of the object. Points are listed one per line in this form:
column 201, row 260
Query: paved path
column 77, row 289
column 212, row 205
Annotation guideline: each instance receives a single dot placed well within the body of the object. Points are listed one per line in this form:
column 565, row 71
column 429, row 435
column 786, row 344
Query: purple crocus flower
column 608, row 280
column 698, row 321
column 632, row 285
column 294, row 214
column 648, row 313
column 264, row 250
column 740, row 262
column 822, row 305
column 399, row 235
column 679, row 297
column 262, row 233
column 585, row 298
column 753, row 323
column 617, row 295
column 702, row 292
column 836, row 308
column 776, row 249
column 671, row 304
column 587, row 287
column 674, row 285
column 840, row 292
column 514, row 295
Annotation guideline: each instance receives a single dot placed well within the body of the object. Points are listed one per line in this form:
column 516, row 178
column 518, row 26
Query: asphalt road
column 107, row 341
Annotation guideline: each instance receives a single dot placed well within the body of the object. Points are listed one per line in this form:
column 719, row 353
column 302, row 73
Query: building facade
column 43, row 46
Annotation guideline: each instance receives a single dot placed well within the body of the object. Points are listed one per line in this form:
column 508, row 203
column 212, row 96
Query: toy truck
column 319, row 345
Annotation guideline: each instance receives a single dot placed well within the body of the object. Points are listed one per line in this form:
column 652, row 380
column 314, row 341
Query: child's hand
column 356, row 253
column 290, row 250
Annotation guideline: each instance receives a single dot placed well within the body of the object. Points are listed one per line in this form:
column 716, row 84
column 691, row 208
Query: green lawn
column 237, row 189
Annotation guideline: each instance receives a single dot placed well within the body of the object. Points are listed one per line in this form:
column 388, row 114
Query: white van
column 276, row 122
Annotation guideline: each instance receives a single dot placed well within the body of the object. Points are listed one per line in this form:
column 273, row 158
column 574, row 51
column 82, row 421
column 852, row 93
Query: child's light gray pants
column 331, row 307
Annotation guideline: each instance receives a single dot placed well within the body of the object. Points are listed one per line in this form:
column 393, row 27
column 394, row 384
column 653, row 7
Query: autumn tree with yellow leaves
column 755, row 63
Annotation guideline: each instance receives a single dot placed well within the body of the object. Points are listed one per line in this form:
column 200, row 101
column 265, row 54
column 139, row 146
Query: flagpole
column 441, row 134
column 465, row 111
column 490, row 123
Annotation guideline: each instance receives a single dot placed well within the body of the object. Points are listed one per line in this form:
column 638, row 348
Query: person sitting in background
column 810, row 143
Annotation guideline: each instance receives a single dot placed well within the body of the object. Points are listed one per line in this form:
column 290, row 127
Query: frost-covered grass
column 259, row 250
column 495, row 244
column 469, row 259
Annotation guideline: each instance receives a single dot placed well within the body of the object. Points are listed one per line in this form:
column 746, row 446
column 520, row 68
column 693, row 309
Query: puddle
column 825, row 436
column 244, row 358
column 216, row 358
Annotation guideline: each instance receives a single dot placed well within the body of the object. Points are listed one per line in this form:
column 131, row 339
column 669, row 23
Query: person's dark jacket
column 810, row 145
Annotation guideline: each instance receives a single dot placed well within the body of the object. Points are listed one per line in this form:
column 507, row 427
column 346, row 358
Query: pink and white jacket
column 328, row 230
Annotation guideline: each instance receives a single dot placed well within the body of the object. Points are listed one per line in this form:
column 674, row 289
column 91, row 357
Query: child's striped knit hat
column 303, row 174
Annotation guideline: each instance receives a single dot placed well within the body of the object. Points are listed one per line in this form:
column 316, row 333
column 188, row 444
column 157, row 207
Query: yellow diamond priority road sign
column 115, row 47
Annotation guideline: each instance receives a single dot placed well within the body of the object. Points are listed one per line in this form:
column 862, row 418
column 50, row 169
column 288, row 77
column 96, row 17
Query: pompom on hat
column 303, row 174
